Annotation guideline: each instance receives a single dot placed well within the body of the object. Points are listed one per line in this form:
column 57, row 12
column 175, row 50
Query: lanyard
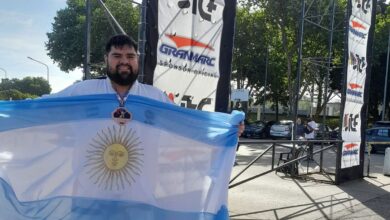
column 122, row 100
column 121, row 115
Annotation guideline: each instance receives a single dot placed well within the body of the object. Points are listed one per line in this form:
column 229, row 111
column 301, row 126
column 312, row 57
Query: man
column 312, row 127
column 122, row 71
column 300, row 129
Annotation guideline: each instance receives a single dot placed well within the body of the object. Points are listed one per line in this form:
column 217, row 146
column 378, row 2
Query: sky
column 24, row 24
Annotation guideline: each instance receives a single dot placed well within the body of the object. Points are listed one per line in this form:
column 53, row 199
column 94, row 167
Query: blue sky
column 24, row 24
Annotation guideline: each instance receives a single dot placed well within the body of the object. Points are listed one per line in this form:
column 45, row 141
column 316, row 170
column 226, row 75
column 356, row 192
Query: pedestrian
column 311, row 127
column 300, row 129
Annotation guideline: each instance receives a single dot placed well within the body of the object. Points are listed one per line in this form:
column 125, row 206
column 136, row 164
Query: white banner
column 362, row 9
column 350, row 154
column 352, row 122
column 357, row 61
column 358, row 32
column 188, row 51
column 359, row 25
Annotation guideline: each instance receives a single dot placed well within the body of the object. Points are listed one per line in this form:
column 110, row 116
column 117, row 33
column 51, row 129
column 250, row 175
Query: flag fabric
column 66, row 158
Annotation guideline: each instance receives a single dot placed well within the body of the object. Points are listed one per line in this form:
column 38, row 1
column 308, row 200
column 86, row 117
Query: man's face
column 122, row 65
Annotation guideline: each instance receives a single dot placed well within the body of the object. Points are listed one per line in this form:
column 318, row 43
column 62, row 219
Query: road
column 277, row 196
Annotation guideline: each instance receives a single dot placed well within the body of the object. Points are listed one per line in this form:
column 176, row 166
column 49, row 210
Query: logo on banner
column 187, row 42
column 352, row 89
column 363, row 5
column 198, row 5
column 187, row 54
column 351, row 149
column 358, row 62
column 350, row 122
column 187, row 101
column 355, row 28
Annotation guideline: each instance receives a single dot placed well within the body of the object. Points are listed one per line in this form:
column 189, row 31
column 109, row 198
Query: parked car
column 255, row 129
column 323, row 133
column 378, row 134
column 381, row 124
column 335, row 134
column 281, row 129
column 268, row 126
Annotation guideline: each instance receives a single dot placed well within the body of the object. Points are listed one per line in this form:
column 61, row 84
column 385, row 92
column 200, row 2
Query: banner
column 188, row 50
column 66, row 158
column 359, row 26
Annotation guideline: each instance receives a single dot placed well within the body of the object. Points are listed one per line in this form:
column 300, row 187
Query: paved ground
column 277, row 196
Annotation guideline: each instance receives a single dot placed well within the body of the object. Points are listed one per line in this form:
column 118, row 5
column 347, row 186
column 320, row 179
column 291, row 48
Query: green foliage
column 13, row 94
column 378, row 71
column 36, row 86
column 280, row 27
column 66, row 41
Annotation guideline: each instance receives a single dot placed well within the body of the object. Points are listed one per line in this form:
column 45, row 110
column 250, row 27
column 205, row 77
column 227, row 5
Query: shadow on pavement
column 271, row 196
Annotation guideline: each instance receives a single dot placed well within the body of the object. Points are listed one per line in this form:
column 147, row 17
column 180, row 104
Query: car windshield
column 258, row 124
column 283, row 123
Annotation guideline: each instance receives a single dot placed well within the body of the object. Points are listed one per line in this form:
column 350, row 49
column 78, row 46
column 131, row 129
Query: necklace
column 121, row 115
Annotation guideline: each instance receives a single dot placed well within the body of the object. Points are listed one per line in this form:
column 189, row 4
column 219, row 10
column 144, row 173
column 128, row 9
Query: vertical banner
column 186, row 39
column 352, row 127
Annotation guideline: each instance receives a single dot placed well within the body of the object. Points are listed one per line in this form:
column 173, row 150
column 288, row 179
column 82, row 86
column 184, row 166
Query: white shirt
column 313, row 125
column 104, row 86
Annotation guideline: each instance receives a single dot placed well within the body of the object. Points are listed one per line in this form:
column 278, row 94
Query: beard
column 122, row 78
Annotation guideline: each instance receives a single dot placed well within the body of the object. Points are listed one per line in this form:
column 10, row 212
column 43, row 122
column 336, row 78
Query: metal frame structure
column 282, row 143
column 115, row 26
column 324, row 62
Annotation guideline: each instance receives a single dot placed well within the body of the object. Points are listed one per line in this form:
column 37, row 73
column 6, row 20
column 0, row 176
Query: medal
column 121, row 115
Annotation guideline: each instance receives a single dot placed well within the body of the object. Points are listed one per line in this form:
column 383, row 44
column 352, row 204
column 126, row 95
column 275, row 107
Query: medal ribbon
column 122, row 100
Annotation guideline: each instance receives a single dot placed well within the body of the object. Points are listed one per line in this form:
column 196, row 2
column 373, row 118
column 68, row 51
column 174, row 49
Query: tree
column 378, row 69
column 280, row 34
column 14, row 94
column 35, row 86
column 65, row 44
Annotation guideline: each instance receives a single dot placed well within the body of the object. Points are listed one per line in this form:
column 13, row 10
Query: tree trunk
column 277, row 108
column 288, row 63
column 319, row 98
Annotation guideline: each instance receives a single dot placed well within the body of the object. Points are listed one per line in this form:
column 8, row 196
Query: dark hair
column 120, row 41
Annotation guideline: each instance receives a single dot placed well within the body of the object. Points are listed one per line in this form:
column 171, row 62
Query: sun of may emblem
column 114, row 158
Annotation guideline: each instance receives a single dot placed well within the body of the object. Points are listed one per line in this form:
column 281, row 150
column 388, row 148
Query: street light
column 47, row 67
column 4, row 72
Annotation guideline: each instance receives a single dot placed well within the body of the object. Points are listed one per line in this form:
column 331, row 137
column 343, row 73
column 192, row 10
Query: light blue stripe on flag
column 29, row 113
column 85, row 208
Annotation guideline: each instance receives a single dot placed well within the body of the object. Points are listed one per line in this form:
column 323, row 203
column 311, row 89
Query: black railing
column 296, row 145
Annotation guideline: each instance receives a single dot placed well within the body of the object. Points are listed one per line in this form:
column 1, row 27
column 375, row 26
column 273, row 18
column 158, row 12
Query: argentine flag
column 66, row 158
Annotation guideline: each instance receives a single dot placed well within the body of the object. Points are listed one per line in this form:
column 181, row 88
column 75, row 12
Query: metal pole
column 265, row 80
column 299, row 68
column 348, row 12
column 328, row 67
column 387, row 72
column 4, row 72
column 142, row 40
column 87, row 58
column 327, row 80
column 111, row 16
column 47, row 67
